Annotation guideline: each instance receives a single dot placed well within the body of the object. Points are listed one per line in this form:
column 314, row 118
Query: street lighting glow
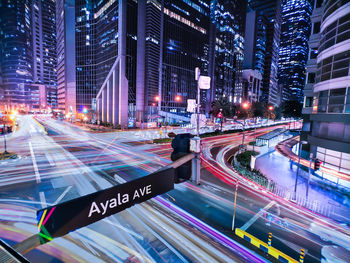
column 270, row 107
column 178, row 98
column 245, row 105
column 156, row 98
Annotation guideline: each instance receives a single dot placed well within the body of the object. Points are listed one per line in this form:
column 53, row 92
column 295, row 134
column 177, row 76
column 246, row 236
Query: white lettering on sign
column 101, row 208
column 142, row 191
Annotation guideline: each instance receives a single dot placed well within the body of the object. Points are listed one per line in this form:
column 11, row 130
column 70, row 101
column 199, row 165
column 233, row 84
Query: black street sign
column 58, row 220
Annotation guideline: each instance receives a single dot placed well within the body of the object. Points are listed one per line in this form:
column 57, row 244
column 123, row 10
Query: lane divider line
column 35, row 166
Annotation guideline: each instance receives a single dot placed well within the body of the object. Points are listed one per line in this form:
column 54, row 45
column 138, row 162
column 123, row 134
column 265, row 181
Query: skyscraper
column 327, row 96
column 16, row 57
column 293, row 54
column 66, row 80
column 168, row 55
column 28, row 54
column 226, row 49
column 271, row 9
column 172, row 40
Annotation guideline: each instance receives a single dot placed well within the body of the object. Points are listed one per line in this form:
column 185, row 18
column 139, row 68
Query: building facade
column 271, row 9
column 252, row 84
column 28, row 53
column 16, row 57
column 66, row 80
column 327, row 96
column 226, row 49
column 293, row 53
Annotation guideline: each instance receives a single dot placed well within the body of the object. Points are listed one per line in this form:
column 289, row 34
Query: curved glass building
column 327, row 93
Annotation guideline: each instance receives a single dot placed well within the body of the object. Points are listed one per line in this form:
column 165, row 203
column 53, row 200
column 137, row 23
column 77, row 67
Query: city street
column 66, row 163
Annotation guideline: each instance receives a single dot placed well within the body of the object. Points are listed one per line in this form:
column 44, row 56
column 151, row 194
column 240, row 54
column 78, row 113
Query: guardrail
column 264, row 247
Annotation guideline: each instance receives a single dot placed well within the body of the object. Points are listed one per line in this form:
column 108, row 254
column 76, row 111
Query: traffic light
column 219, row 115
column 317, row 164
column 181, row 146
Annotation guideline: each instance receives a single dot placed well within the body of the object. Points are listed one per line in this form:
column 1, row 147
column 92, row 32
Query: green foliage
column 228, row 108
column 244, row 158
column 291, row 108
column 162, row 140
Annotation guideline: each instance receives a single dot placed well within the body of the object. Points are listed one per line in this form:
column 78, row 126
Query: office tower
column 16, row 57
column 173, row 39
column 105, row 43
column 327, row 92
column 28, row 55
column 293, row 54
column 271, row 9
column 255, row 41
column 226, row 49
column 66, row 80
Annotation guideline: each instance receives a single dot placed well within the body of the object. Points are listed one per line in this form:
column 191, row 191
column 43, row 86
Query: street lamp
column 301, row 143
column 245, row 106
column 178, row 98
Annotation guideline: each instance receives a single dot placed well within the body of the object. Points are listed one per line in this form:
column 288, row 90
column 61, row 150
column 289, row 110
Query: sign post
column 58, row 220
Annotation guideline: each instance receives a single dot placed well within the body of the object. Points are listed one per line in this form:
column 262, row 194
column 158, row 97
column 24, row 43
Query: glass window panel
column 340, row 73
column 337, row 92
column 335, row 108
column 336, row 100
column 341, row 64
column 343, row 37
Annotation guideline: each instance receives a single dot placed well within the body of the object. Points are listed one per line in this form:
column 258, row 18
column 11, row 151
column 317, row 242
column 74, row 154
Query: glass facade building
column 293, row 54
column 66, row 80
column 327, row 96
column 28, row 53
column 96, row 36
column 271, row 9
column 16, row 53
column 227, row 42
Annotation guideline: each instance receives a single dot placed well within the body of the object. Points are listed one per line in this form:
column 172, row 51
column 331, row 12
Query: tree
column 291, row 108
column 227, row 107
column 258, row 109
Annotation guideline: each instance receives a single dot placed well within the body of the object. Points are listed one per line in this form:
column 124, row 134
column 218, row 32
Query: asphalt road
column 58, row 162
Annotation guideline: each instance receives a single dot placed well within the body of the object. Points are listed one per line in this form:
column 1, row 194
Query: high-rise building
column 168, row 55
column 327, row 92
column 172, row 40
column 28, row 53
column 271, row 9
column 255, row 41
column 16, row 57
column 226, row 49
column 106, row 43
column 66, row 80
column 293, row 54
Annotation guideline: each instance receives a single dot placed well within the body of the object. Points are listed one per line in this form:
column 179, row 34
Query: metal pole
column 308, row 179
column 243, row 137
column 296, row 178
column 234, row 207
column 198, row 105
column 5, row 146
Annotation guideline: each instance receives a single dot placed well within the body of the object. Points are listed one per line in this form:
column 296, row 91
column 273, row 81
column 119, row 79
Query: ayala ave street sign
column 58, row 220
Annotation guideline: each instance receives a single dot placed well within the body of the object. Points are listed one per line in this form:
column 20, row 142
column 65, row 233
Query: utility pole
column 308, row 179
column 196, row 161
column 234, row 207
column 5, row 146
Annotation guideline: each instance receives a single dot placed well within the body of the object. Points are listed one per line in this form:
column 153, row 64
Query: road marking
column 37, row 175
column 42, row 199
column 256, row 216
column 125, row 229
column 62, row 195
column 49, row 158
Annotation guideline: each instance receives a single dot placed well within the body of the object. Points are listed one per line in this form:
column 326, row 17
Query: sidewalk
column 282, row 171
